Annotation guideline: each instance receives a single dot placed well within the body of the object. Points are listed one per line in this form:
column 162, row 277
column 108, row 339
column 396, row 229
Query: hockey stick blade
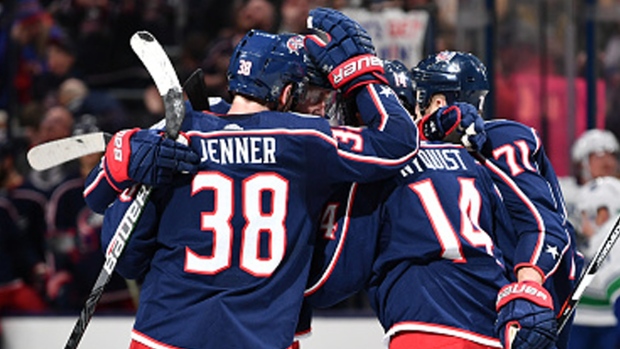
column 150, row 52
column 196, row 90
column 588, row 275
column 50, row 154
column 161, row 70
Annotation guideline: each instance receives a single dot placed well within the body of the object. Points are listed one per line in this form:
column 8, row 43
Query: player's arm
column 137, row 156
column 456, row 123
column 534, row 208
column 525, row 309
column 347, row 245
column 134, row 261
column 343, row 51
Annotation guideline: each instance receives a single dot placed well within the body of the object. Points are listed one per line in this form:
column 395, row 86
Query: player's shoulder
column 295, row 121
column 505, row 126
column 500, row 132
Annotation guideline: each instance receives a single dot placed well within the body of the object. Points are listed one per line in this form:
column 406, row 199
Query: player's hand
column 145, row 156
column 457, row 123
column 526, row 319
column 342, row 50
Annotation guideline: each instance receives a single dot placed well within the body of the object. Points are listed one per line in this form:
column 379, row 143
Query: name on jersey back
column 239, row 150
column 435, row 159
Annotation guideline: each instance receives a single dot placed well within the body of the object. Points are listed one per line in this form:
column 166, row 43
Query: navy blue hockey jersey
column 544, row 238
column 423, row 245
column 225, row 254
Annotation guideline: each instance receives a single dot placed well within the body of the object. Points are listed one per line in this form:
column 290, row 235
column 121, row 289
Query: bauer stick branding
column 161, row 70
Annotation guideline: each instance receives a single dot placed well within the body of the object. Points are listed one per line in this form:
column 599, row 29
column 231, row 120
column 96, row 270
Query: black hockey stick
column 196, row 90
column 159, row 66
column 588, row 275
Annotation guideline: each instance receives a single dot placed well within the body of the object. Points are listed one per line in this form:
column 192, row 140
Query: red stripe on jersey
column 142, row 341
column 526, row 201
column 343, row 236
column 407, row 340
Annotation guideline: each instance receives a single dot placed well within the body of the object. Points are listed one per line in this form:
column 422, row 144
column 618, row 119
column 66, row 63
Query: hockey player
column 542, row 254
column 594, row 154
column 225, row 253
column 436, row 223
column 418, row 244
column 595, row 324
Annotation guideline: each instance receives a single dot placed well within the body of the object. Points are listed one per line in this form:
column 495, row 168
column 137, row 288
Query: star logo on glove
column 553, row 250
column 386, row 91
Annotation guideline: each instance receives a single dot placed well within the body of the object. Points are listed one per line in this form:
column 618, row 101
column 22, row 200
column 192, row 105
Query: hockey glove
column 342, row 50
column 525, row 317
column 458, row 123
column 145, row 156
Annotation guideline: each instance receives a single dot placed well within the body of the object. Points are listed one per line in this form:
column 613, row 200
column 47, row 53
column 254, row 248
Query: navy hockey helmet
column 460, row 76
column 262, row 64
column 400, row 80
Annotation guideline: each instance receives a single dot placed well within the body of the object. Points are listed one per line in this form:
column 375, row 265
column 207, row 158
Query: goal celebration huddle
column 334, row 171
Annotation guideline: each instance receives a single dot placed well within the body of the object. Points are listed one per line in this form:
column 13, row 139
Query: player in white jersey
column 595, row 324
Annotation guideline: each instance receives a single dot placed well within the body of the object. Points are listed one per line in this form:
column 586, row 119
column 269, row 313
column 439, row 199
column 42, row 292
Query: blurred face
column 56, row 124
column 256, row 14
column 603, row 164
column 314, row 102
column 59, row 61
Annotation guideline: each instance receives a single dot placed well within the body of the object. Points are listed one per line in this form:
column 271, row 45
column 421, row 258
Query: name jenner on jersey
column 239, row 150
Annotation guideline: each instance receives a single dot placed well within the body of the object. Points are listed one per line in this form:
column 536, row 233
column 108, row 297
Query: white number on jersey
column 511, row 154
column 258, row 223
column 469, row 205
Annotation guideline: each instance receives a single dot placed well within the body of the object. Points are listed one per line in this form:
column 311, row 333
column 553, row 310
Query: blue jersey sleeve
column 526, row 180
column 346, row 245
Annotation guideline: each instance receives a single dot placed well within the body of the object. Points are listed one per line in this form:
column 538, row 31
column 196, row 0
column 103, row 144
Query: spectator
column 595, row 325
column 56, row 123
column 294, row 14
column 254, row 14
column 80, row 100
column 15, row 294
column 30, row 205
column 61, row 59
column 73, row 240
column 30, row 31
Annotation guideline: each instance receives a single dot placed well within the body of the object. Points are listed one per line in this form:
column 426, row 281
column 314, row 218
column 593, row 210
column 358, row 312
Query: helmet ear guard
column 263, row 64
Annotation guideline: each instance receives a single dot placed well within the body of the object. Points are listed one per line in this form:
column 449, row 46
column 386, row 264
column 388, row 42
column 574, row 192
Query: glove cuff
column 527, row 290
column 354, row 68
column 116, row 164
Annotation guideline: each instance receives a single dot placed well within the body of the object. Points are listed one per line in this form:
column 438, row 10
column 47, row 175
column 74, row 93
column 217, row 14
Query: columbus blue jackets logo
column 445, row 56
column 295, row 44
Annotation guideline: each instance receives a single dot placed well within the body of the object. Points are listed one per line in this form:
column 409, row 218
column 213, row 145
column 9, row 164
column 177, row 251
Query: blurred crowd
column 66, row 68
